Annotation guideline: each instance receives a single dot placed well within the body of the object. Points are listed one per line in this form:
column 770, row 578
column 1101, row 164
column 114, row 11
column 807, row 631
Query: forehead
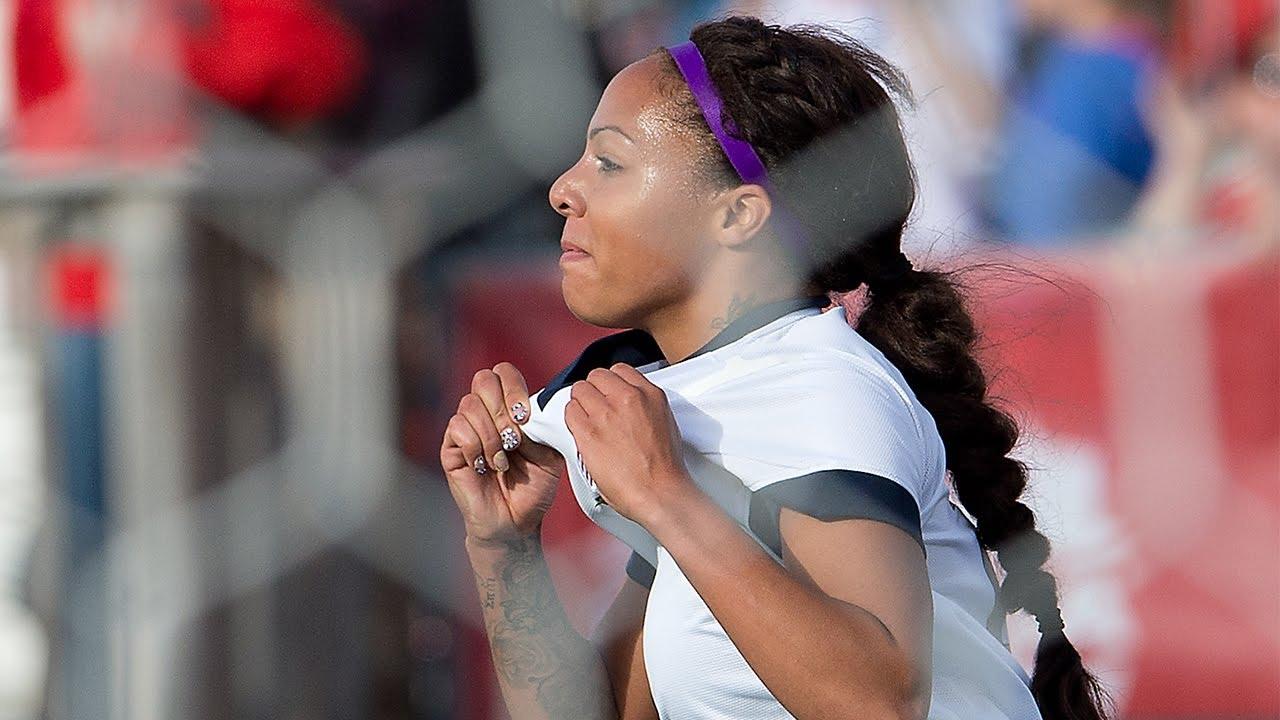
column 633, row 101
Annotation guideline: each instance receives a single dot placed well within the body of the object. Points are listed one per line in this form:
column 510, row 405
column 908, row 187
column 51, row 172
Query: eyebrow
column 597, row 130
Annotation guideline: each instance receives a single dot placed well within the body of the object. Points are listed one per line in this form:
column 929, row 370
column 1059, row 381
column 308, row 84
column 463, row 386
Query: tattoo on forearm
column 737, row 306
column 488, row 597
column 534, row 645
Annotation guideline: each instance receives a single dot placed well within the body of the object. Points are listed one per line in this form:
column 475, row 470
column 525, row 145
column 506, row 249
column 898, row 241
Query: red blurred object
column 50, row 103
column 1211, row 37
column 114, row 101
column 42, row 70
column 1171, row 374
column 287, row 61
column 79, row 280
column 1168, row 374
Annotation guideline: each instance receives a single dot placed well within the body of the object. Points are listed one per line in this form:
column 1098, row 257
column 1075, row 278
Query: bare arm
column 546, row 669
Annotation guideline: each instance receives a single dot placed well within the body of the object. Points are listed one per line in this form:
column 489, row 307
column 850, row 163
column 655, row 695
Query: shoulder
column 800, row 410
column 832, row 388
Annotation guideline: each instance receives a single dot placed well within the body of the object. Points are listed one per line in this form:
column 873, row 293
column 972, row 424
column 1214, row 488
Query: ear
column 740, row 214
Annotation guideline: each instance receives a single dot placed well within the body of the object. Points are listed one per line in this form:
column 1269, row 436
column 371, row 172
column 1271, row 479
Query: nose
column 566, row 196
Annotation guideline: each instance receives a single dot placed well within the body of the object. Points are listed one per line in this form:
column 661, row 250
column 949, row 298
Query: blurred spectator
column 1076, row 151
column 1217, row 124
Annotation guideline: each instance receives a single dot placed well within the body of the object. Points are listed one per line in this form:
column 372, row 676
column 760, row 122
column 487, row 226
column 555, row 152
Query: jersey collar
column 637, row 347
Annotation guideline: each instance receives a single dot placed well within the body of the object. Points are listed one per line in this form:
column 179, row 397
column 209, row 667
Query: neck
column 682, row 328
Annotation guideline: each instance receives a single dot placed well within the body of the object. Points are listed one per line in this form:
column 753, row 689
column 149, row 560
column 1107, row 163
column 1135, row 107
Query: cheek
column 646, row 234
column 643, row 258
column 657, row 252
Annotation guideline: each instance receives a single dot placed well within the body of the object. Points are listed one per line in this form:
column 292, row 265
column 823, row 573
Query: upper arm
column 618, row 638
column 851, row 522
column 877, row 566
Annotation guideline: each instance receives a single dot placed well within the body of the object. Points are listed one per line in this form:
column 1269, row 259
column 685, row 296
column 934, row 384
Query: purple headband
column 741, row 155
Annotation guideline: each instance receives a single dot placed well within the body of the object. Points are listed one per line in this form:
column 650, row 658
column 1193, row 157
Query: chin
column 592, row 306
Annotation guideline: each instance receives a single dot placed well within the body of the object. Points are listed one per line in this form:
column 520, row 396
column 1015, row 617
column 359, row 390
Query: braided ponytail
column 922, row 326
column 819, row 108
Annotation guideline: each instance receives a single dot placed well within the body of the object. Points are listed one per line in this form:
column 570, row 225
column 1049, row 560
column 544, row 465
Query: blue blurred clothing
column 1076, row 152
column 689, row 13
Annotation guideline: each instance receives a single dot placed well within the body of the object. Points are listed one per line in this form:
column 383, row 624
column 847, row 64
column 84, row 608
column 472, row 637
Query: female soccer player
column 782, row 477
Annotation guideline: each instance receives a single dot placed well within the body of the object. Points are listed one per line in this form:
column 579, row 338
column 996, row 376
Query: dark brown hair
column 819, row 107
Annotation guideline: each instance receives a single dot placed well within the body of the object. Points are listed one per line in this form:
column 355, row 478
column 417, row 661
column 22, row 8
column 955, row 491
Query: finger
column 474, row 454
column 608, row 382
column 487, row 385
column 589, row 396
column 577, row 420
column 473, row 409
column 538, row 454
column 515, row 391
column 632, row 376
column 452, row 460
column 451, row 455
column 465, row 438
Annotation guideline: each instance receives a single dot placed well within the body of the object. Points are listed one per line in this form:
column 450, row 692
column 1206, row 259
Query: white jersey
column 789, row 405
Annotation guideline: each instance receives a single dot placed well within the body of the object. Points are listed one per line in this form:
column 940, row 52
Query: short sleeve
column 834, row 438
column 834, row 495
column 640, row 570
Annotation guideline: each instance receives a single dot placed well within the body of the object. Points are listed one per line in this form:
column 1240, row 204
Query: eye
column 607, row 165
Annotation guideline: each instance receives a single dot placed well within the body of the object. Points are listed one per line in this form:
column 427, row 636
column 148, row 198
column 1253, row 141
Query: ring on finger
column 479, row 465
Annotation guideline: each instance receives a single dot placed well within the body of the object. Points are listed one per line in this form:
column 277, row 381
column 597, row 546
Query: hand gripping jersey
column 790, row 406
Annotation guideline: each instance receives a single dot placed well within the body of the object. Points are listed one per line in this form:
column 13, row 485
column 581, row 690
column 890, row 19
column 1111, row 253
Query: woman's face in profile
column 632, row 204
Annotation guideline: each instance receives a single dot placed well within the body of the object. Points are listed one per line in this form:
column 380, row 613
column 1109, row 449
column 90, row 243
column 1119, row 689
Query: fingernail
column 479, row 465
column 510, row 438
column 500, row 461
column 519, row 412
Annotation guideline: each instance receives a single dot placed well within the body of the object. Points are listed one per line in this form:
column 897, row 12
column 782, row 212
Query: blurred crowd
column 305, row 147
column 1064, row 123
column 1046, row 123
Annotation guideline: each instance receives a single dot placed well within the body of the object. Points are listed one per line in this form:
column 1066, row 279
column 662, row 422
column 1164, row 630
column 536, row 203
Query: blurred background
column 252, row 251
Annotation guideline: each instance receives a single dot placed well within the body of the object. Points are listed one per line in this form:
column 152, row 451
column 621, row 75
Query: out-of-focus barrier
column 1149, row 394
column 1156, row 389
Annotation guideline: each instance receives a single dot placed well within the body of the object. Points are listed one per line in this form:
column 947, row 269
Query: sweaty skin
column 666, row 253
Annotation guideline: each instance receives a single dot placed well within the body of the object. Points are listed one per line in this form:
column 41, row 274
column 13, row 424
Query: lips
column 567, row 246
column 572, row 254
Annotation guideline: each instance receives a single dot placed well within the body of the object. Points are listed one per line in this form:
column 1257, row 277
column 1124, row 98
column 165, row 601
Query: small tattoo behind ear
column 737, row 306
